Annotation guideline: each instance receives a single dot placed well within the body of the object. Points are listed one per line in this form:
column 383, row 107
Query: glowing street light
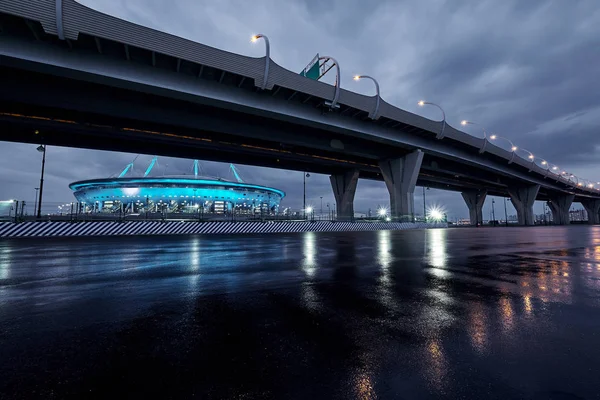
column 435, row 214
column 372, row 114
column 382, row 212
column 464, row 122
column 422, row 103
column 530, row 155
column 267, row 57
column 513, row 148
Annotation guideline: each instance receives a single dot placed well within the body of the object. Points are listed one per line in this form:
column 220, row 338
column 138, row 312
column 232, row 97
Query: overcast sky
column 525, row 69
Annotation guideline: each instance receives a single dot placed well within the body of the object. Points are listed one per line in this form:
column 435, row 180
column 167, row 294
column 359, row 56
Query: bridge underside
column 43, row 108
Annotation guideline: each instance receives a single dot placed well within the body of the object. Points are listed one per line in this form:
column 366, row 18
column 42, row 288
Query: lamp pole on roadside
column 36, row 199
column 41, row 149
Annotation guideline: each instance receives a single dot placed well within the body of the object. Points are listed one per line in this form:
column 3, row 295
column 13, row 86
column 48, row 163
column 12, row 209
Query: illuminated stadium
column 175, row 194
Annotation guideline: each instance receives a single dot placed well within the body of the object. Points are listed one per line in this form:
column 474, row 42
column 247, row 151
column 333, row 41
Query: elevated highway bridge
column 72, row 76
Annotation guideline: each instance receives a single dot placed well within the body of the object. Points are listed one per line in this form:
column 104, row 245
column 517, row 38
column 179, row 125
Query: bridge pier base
column 400, row 176
column 475, row 200
column 344, row 188
column 592, row 207
column 560, row 206
column 522, row 198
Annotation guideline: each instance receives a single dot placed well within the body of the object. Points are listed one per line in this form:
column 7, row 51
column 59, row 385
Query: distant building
column 578, row 215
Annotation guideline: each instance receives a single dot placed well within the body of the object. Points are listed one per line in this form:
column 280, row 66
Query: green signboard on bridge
column 313, row 69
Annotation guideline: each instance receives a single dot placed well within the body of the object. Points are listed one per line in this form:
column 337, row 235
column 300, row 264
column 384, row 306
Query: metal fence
column 23, row 211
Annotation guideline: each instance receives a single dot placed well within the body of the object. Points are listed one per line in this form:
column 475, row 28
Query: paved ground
column 457, row 313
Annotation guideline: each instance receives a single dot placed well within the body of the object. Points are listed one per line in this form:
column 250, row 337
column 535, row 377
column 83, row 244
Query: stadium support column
column 522, row 198
column 344, row 188
column 559, row 206
column 400, row 176
column 592, row 207
column 475, row 200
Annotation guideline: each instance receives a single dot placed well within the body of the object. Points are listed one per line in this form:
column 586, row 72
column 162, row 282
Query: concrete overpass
column 72, row 76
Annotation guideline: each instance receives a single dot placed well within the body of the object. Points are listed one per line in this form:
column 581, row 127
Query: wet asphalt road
column 457, row 313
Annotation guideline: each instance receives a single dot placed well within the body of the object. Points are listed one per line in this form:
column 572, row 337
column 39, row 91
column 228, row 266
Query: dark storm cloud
column 527, row 70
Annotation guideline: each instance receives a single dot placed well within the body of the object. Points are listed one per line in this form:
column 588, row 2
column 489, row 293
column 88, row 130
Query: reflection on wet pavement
column 459, row 313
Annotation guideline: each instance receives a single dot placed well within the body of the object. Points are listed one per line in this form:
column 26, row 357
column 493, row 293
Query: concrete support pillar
column 344, row 188
column 592, row 207
column 522, row 198
column 400, row 177
column 560, row 206
column 475, row 200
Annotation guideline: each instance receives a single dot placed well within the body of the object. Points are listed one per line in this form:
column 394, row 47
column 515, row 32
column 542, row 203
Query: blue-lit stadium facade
column 175, row 194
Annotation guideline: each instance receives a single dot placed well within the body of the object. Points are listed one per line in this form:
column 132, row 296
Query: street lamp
column 464, row 122
column 372, row 114
column 41, row 149
column 36, row 199
column 513, row 148
column 321, row 216
column 424, row 206
column 305, row 175
column 441, row 134
column 336, row 95
column 267, row 57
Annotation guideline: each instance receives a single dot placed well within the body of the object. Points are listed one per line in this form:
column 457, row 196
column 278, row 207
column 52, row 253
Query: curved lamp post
column 41, row 149
column 336, row 94
column 372, row 114
column 530, row 156
column 513, row 148
column 267, row 58
column 441, row 134
column 464, row 122
column 576, row 182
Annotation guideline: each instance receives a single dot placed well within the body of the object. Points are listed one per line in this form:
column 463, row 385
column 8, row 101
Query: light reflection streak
column 384, row 258
column 364, row 387
column 528, row 305
column 507, row 313
column 437, row 364
column 194, row 261
column 310, row 297
column 477, row 327
column 437, row 252
column 383, row 254
column 309, row 265
column 5, row 262
column 195, row 255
